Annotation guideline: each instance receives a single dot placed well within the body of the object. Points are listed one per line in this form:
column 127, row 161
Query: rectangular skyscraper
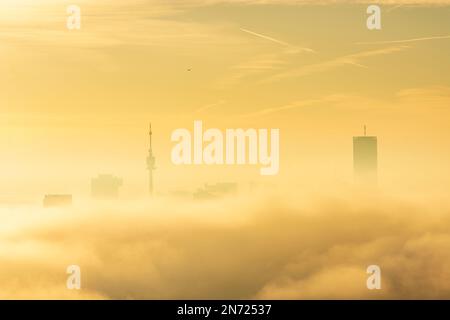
column 365, row 160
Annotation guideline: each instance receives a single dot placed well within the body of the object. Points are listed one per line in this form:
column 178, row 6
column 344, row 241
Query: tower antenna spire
column 365, row 130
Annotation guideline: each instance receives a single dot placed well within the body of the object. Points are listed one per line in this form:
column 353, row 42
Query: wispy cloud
column 258, row 65
column 211, row 106
column 318, row 2
column 434, row 96
column 298, row 49
column 351, row 59
column 111, row 23
column 265, row 37
column 393, row 8
column 418, row 99
column 293, row 105
column 263, row 63
column 334, row 100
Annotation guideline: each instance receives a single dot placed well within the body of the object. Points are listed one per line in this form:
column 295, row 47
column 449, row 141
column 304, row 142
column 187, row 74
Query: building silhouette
column 106, row 186
column 365, row 159
column 150, row 163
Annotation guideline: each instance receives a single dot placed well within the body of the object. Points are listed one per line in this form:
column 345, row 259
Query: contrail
column 395, row 7
column 276, row 40
column 209, row 106
column 406, row 41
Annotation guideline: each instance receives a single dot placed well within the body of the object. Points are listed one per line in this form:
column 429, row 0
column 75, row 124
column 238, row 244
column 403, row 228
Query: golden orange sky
column 77, row 103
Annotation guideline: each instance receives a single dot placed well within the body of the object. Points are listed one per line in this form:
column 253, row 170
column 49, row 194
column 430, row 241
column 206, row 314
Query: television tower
column 150, row 163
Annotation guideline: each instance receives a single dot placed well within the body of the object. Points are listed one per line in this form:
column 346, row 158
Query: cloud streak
column 351, row 59
column 407, row 40
column 411, row 99
column 293, row 48
column 265, row 37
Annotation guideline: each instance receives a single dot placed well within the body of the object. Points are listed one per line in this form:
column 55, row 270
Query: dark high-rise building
column 365, row 159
